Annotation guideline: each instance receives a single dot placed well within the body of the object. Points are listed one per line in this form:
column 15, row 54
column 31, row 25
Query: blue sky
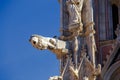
column 19, row 19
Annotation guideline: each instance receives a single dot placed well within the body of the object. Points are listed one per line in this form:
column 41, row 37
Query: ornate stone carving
column 90, row 71
column 74, row 8
column 80, row 33
column 81, row 24
column 56, row 78
column 57, row 46
column 74, row 72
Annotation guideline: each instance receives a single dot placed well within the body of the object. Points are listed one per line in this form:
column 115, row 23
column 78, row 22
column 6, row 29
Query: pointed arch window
column 115, row 18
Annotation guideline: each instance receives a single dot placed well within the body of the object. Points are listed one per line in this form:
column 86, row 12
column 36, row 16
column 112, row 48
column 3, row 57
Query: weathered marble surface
column 76, row 46
column 57, row 46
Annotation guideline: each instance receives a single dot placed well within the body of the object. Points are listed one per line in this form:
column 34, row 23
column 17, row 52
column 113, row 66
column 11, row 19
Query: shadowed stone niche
column 116, row 2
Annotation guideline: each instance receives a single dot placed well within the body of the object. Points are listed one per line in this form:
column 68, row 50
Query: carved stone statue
column 68, row 48
column 59, row 47
column 41, row 42
column 81, row 24
column 74, row 10
column 56, row 78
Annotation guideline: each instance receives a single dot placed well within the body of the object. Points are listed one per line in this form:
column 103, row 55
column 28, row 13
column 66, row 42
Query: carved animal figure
column 57, row 46
column 56, row 78
column 41, row 42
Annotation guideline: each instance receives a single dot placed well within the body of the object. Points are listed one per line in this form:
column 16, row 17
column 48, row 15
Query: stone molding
column 109, row 59
column 111, row 70
column 106, row 42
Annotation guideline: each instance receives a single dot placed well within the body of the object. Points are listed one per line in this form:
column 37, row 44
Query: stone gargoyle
column 57, row 46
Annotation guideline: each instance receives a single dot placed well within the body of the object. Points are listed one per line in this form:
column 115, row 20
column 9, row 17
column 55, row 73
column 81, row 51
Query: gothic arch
column 115, row 18
column 116, row 2
column 113, row 72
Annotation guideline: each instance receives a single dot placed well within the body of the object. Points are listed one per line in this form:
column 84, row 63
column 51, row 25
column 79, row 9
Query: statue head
column 38, row 42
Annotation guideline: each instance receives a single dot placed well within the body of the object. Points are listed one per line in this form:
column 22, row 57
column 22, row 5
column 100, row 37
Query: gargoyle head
column 38, row 42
